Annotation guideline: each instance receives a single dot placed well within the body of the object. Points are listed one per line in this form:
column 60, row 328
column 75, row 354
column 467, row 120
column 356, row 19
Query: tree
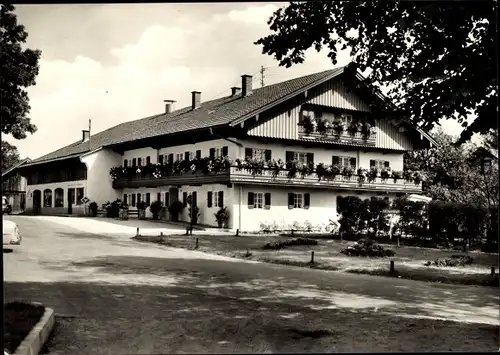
column 19, row 68
column 438, row 59
column 10, row 156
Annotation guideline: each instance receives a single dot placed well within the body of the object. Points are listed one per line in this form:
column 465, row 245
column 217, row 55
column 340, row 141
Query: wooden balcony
column 345, row 137
column 267, row 178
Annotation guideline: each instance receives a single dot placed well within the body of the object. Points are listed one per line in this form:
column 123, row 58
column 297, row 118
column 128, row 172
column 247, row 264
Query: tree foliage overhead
column 19, row 68
column 10, row 156
column 437, row 58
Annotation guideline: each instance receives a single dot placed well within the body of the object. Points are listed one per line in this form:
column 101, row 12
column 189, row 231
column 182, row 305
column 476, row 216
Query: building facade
column 14, row 187
column 279, row 154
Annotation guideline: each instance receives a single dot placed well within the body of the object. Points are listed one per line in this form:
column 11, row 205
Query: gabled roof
column 229, row 110
column 22, row 162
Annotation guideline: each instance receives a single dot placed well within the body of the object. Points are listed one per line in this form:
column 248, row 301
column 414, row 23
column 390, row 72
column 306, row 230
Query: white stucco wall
column 53, row 186
column 203, row 146
column 99, row 184
column 323, row 207
column 140, row 153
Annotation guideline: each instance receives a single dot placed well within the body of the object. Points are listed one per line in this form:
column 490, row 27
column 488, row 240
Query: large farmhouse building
column 283, row 152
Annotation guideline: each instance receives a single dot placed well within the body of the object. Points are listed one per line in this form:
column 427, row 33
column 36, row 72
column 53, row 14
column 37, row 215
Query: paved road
column 113, row 295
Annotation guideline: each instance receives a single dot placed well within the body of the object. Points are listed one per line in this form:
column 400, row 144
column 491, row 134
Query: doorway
column 71, row 198
column 37, row 201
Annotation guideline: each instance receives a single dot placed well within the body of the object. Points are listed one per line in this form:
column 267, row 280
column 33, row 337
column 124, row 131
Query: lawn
column 19, row 319
column 409, row 261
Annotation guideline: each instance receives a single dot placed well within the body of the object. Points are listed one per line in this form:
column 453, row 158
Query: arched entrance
column 37, row 201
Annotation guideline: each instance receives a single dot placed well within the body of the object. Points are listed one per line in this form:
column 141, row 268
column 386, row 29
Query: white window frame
column 258, row 197
column 345, row 161
column 179, row 156
column 380, row 164
column 259, row 154
column 215, row 199
column 346, row 120
column 298, row 200
column 300, row 156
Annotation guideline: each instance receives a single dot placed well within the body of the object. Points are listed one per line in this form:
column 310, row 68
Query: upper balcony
column 273, row 173
column 342, row 129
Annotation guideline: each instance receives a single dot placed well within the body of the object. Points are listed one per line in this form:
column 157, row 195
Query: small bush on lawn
column 454, row 260
column 367, row 247
column 289, row 242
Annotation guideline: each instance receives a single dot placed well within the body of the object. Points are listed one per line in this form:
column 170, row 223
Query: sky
column 113, row 63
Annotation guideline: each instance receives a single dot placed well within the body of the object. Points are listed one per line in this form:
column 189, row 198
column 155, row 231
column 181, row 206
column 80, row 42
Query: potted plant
column 338, row 126
column 174, row 209
column 323, row 126
column 155, row 209
column 222, row 217
column 384, row 174
column 372, row 174
column 308, row 124
column 361, row 176
column 93, row 209
column 396, row 175
column 114, row 209
column 106, row 206
column 141, row 209
column 353, row 128
column 123, row 211
column 366, row 130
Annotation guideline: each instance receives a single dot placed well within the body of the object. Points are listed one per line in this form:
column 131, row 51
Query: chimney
column 246, row 84
column 235, row 90
column 196, row 99
column 85, row 135
column 169, row 105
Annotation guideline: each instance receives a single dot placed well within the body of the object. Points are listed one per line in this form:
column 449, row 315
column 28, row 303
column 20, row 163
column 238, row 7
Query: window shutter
column 212, row 153
column 290, row 200
column 133, row 200
column 335, row 160
column 186, row 156
column 194, row 199
column 372, row 163
column 198, row 154
column 148, row 198
column 221, row 198
column 248, row 153
column 158, row 196
column 307, row 201
column 167, row 199
column 171, row 158
column 268, row 155
column 387, row 164
column 310, row 158
column 209, row 199
column 250, row 200
column 160, row 159
column 139, row 161
column 267, row 200
column 184, row 199
column 125, row 198
column 138, row 198
column 288, row 156
column 125, row 163
column 353, row 162
column 134, row 162
column 225, row 151
column 148, row 160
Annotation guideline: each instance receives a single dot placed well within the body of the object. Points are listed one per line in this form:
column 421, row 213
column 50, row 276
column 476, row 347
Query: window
column 59, row 197
column 138, row 198
column 344, row 161
column 255, row 200
column 346, row 120
column 133, row 200
column 298, row 200
column 215, row 199
column 305, row 158
column 179, row 157
column 139, row 161
column 380, row 164
column 259, row 154
column 79, row 195
column 72, row 196
column 47, row 198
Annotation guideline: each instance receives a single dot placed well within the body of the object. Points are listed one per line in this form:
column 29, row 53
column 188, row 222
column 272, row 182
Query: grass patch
column 19, row 319
column 431, row 276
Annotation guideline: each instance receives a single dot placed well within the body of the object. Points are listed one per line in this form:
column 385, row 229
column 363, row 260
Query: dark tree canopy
column 10, row 156
column 19, row 68
column 438, row 58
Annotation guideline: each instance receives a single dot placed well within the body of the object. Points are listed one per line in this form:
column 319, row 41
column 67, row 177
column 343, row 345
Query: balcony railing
column 344, row 137
column 269, row 177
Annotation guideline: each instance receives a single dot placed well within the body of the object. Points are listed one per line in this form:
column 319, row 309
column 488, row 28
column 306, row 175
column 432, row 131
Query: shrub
column 289, row 242
column 141, row 205
column 368, row 248
column 222, row 217
column 175, row 208
column 155, row 208
column 93, row 209
column 454, row 260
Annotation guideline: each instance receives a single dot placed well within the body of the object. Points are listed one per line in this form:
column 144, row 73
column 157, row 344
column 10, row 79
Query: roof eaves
column 287, row 97
column 22, row 162
column 54, row 159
